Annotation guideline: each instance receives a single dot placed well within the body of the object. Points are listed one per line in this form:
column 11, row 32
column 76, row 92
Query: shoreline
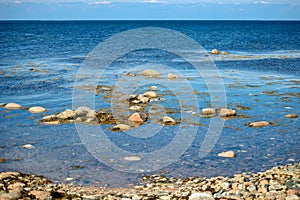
column 282, row 182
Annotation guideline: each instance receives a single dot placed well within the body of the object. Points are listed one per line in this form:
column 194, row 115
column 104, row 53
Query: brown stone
column 226, row 154
column 259, row 124
column 291, row 116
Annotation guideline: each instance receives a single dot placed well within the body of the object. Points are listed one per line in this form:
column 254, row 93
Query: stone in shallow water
column 227, row 154
column 67, row 114
column 172, row 76
column 13, row 106
column 28, row 146
column 135, row 108
column 138, row 118
column 168, row 120
column 121, row 127
column 208, row 111
column 225, row 112
column 150, row 94
column 51, row 122
column 291, row 115
column 259, row 124
column 153, row 87
column 132, row 158
column 215, row 51
column 151, row 73
column 36, row 109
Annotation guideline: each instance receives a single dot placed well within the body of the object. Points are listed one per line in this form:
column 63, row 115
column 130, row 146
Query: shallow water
column 261, row 79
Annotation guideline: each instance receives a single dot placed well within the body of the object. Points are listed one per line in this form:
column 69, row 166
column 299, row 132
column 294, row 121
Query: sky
column 149, row 9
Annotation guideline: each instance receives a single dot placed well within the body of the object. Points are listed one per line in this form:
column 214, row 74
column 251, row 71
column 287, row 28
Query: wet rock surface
column 277, row 183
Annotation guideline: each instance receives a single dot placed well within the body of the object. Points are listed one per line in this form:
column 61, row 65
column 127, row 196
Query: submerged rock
column 224, row 53
column 225, row 112
column 259, row 124
column 150, row 73
column 36, row 109
column 291, row 115
column 121, row 127
column 135, row 108
column 227, row 154
column 172, row 76
column 13, row 106
column 168, row 120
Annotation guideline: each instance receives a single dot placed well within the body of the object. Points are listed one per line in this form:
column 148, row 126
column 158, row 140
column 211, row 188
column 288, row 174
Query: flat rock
column 227, row 154
column 67, row 114
column 172, row 76
column 150, row 73
column 225, row 112
column 291, row 115
column 259, row 124
column 208, row 111
column 168, row 120
column 135, row 108
column 224, row 53
column 5, row 175
column 13, row 106
column 132, row 158
column 150, row 94
column 121, row 127
column 201, row 196
column 52, row 122
column 28, row 146
column 36, row 109
column 81, row 111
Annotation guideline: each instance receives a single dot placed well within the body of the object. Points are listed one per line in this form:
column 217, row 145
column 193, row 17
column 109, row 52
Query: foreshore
column 282, row 182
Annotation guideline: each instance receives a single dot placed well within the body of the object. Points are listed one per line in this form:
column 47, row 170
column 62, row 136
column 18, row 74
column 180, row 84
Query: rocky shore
column 277, row 183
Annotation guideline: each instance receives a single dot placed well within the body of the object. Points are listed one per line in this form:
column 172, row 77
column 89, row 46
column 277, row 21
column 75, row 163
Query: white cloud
column 154, row 1
column 261, row 2
column 100, row 3
column 18, row 2
column 221, row 3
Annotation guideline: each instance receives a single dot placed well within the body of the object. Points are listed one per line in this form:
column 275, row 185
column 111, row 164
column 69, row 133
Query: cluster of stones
column 216, row 52
column 276, row 183
column 81, row 114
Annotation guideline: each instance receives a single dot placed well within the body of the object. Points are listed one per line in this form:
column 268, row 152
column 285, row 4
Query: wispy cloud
column 261, row 2
column 100, row 3
column 17, row 2
column 154, row 1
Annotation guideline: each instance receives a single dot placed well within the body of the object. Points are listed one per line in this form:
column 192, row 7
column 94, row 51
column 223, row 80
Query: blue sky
column 150, row 9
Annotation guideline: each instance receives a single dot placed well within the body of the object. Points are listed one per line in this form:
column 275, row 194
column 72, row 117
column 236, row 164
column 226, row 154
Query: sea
column 44, row 63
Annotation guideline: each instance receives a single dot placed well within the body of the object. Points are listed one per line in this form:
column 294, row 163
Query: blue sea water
column 39, row 61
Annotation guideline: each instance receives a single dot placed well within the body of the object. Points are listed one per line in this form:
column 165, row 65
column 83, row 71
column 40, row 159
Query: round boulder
column 13, row 106
column 36, row 109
